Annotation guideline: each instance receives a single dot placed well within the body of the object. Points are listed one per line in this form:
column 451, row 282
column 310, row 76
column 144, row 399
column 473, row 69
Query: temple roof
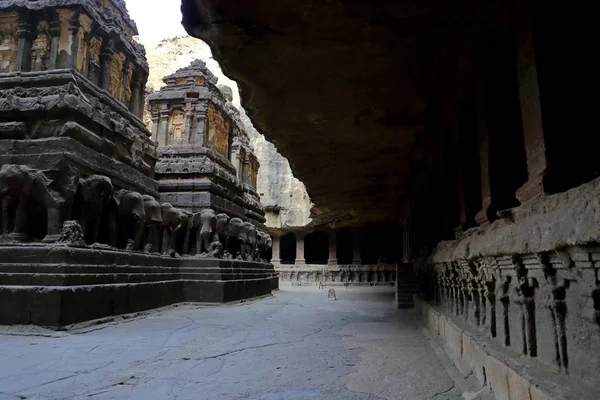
column 197, row 69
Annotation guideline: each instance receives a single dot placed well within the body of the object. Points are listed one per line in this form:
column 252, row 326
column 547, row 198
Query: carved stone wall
column 341, row 275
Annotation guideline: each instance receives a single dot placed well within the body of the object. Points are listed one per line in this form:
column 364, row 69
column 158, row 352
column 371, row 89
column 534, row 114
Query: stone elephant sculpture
column 171, row 221
column 127, row 227
column 206, row 224
column 95, row 194
column 184, row 231
column 239, row 233
column 28, row 194
column 265, row 243
column 153, row 223
column 223, row 230
column 251, row 243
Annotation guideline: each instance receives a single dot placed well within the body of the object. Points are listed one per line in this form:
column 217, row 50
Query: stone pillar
column 356, row 254
column 332, row 260
column 187, row 132
column 531, row 114
column 163, row 125
column 276, row 258
column 200, row 130
column 155, row 122
column 484, row 162
column 105, row 60
column 407, row 238
column 55, row 34
column 300, row 260
column 23, row 62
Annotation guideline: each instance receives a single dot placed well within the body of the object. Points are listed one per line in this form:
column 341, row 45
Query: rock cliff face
column 285, row 198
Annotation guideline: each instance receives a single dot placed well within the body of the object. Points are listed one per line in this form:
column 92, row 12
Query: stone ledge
column 551, row 222
column 509, row 377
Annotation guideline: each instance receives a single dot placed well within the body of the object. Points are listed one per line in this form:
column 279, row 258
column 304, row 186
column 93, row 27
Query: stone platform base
column 57, row 286
column 505, row 373
column 337, row 275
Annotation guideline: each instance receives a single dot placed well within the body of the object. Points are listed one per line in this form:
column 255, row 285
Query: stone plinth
column 56, row 286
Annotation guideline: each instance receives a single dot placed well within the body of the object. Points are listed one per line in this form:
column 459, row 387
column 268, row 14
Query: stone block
column 453, row 341
column 518, row 386
column 497, row 374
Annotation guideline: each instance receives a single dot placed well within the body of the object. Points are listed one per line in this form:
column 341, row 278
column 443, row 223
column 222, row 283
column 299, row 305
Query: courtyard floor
column 293, row 345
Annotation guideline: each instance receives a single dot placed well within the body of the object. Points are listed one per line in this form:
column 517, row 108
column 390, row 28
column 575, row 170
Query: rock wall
column 285, row 198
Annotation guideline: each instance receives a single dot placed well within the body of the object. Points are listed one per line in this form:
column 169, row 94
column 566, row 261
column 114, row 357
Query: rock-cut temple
column 98, row 220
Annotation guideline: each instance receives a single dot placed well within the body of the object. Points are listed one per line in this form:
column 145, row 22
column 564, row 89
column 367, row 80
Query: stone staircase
column 406, row 286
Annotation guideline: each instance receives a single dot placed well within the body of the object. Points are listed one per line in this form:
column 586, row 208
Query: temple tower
column 205, row 159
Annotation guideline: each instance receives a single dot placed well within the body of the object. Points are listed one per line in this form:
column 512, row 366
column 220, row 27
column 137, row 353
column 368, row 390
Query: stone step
column 93, row 278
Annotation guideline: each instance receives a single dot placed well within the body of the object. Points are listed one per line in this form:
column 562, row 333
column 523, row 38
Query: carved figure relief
column 218, row 131
column 176, row 125
column 40, row 48
column 8, row 41
column 116, row 75
column 505, row 300
column 557, row 307
column 525, row 289
column 94, row 51
column 128, row 82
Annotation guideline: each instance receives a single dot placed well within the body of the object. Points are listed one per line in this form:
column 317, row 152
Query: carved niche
column 116, row 75
column 85, row 28
column 196, row 79
column 218, row 131
column 94, row 53
column 40, row 48
column 8, row 41
column 65, row 42
column 176, row 126
column 253, row 172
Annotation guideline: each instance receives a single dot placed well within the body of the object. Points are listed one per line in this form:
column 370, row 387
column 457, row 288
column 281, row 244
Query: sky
column 156, row 19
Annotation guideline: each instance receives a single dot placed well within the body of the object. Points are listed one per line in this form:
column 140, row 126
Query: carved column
column 24, row 44
column 163, row 125
column 300, row 260
column 188, row 115
column 136, row 88
column 201, row 122
column 105, row 61
column 74, row 27
column 531, row 113
column 332, row 260
column 276, row 257
column 356, row 254
column 55, row 34
column 155, row 123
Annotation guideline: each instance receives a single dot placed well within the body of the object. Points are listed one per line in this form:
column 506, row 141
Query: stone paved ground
column 294, row 345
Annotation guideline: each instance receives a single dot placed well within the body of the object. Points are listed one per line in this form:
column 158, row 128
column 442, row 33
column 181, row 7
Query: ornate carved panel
column 8, row 41
column 218, row 131
column 176, row 125
column 85, row 28
column 116, row 75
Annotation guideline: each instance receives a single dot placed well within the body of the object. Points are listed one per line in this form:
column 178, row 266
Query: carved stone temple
column 205, row 160
column 85, row 233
